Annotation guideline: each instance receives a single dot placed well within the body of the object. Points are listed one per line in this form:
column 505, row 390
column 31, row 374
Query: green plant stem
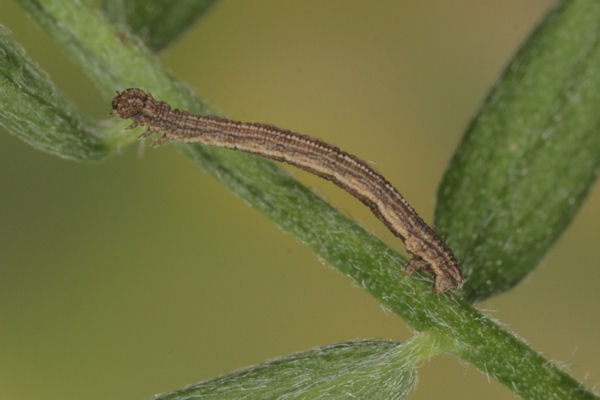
column 421, row 347
column 115, row 60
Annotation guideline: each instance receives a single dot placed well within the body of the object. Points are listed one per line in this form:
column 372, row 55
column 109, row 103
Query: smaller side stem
column 420, row 347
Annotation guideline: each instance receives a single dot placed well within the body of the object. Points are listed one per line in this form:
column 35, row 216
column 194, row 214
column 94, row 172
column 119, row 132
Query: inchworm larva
column 345, row 170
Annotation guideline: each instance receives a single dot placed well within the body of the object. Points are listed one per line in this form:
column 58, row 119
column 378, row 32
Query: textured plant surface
column 517, row 179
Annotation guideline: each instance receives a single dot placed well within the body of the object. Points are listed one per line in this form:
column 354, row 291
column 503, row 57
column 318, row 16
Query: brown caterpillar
column 327, row 161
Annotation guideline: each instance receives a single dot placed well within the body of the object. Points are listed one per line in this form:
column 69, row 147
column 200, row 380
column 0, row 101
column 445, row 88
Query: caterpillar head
column 133, row 103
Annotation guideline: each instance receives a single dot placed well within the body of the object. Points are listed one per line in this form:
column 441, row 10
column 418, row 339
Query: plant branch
column 116, row 60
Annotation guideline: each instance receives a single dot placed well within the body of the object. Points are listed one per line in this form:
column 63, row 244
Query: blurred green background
column 140, row 274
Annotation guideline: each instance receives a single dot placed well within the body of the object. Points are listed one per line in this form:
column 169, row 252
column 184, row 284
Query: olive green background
column 140, row 274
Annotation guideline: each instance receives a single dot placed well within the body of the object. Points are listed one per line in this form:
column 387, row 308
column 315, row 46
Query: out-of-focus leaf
column 157, row 22
column 529, row 158
column 33, row 110
column 352, row 370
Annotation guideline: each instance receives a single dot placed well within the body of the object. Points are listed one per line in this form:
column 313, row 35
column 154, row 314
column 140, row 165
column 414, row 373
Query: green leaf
column 530, row 157
column 33, row 110
column 359, row 369
column 157, row 22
